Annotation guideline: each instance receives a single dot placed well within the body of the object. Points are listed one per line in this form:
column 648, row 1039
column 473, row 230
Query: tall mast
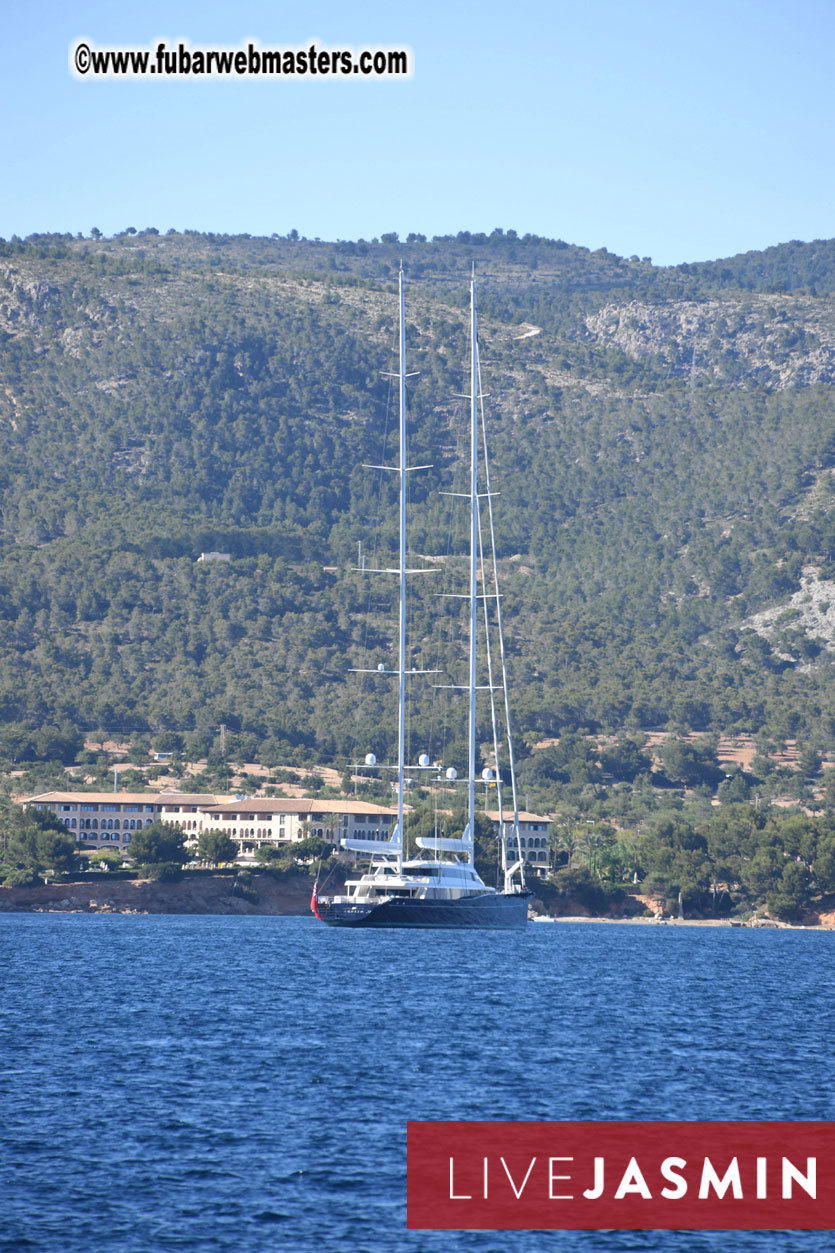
column 395, row 844
column 471, row 682
column 401, row 651
column 500, row 631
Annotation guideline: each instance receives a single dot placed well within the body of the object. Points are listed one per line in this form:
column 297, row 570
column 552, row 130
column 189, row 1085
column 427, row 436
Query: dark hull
column 493, row 910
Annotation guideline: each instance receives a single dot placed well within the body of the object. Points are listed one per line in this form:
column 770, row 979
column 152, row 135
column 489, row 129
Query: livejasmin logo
column 629, row 1175
column 632, row 1182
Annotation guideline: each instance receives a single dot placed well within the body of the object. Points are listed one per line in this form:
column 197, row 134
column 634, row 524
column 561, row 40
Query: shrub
column 162, row 871
column 584, row 888
column 21, row 877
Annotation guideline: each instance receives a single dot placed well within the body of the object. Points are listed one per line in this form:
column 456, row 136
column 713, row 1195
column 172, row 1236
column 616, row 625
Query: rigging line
column 328, row 876
column 366, row 683
column 489, row 655
column 455, row 538
column 443, row 636
column 407, row 643
column 499, row 625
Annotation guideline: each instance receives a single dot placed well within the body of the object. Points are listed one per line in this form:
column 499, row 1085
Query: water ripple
column 243, row 1084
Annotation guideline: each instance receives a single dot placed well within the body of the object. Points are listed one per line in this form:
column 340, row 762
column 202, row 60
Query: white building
column 533, row 837
column 281, row 820
column 104, row 819
column 107, row 819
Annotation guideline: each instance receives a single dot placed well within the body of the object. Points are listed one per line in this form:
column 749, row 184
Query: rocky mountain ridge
column 663, row 439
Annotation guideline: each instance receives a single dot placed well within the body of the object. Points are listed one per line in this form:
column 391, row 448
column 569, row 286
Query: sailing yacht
column 440, row 887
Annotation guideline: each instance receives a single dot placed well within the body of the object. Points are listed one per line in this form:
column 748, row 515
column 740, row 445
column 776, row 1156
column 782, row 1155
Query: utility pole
column 222, row 730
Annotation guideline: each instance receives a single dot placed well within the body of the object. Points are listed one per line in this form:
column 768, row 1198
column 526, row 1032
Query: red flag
column 314, row 901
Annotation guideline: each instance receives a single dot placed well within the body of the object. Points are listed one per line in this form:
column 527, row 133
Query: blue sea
column 242, row 1085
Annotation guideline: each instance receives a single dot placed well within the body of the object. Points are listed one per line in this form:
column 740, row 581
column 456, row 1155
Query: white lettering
column 762, row 1188
column 633, row 1181
column 808, row 1182
column 591, row 1194
column 552, row 1178
column 730, row 1179
column 518, row 1193
column 452, row 1195
column 667, row 1172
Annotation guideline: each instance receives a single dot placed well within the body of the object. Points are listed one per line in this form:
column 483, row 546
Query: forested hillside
column 663, row 440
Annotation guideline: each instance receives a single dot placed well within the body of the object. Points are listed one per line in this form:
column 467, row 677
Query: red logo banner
column 621, row 1175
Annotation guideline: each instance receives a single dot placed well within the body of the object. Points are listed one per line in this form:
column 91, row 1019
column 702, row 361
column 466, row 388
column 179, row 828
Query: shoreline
column 268, row 895
column 770, row 925
column 211, row 894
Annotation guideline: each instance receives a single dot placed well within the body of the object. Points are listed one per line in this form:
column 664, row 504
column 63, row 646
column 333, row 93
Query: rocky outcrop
column 771, row 340
column 203, row 894
column 811, row 609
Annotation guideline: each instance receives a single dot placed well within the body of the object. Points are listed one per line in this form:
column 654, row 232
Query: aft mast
column 509, row 866
column 401, row 649
column 395, row 844
column 469, row 832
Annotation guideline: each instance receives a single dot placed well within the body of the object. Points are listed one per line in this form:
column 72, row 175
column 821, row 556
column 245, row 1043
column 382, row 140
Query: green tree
column 582, row 886
column 215, row 847
column 790, row 899
column 564, row 837
column 267, row 854
column 762, row 873
column 810, row 761
column 824, row 866
column 35, row 844
column 690, row 762
column 156, row 843
column 677, row 865
column 311, row 848
column 597, row 841
column 625, row 759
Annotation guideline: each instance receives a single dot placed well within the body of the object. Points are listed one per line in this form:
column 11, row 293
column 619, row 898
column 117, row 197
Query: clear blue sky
column 677, row 131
